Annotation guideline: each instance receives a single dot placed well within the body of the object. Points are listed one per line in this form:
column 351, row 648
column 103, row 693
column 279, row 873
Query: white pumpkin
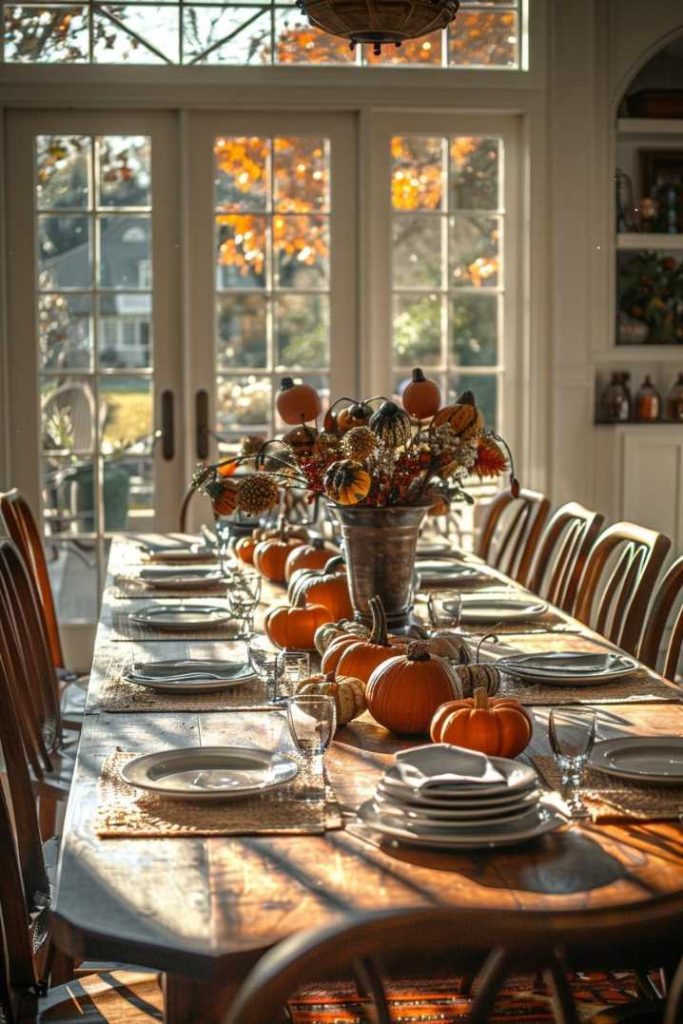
column 348, row 693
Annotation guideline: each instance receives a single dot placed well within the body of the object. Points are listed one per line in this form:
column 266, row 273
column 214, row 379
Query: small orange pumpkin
column 297, row 403
column 422, row 397
column 347, row 482
column 294, row 627
column 244, row 549
column 270, row 556
column 404, row 692
column 315, row 555
column 360, row 657
column 497, row 726
column 327, row 586
column 302, row 440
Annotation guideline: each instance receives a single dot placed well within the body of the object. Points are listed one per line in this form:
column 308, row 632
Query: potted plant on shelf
column 381, row 465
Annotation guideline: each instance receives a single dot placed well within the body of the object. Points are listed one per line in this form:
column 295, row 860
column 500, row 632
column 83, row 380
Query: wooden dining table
column 203, row 910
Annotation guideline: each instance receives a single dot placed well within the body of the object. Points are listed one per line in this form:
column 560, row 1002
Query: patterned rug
column 523, row 1001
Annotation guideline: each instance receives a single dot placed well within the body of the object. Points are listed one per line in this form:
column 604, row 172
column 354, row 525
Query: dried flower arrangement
column 372, row 453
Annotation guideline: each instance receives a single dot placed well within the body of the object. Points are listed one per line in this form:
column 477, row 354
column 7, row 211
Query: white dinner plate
column 176, row 617
column 539, row 821
column 179, row 578
column 445, row 572
column 492, row 608
column 518, row 777
column 188, row 676
column 432, row 549
column 641, row 758
column 562, row 667
column 396, row 809
column 176, row 556
column 210, row 773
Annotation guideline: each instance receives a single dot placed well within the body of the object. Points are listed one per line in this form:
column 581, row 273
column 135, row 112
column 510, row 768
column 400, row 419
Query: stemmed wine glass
column 445, row 609
column 572, row 734
column 263, row 656
column 290, row 669
column 312, row 720
column 244, row 595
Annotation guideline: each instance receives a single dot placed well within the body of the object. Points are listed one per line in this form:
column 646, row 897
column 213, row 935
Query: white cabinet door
column 651, row 473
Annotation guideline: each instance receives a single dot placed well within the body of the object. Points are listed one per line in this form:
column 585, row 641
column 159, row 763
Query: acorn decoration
column 422, row 397
column 391, row 424
column 297, row 403
column 359, row 443
column 257, row 493
column 347, row 482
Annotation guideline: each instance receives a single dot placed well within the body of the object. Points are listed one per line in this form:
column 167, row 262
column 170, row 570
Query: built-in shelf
column 650, row 126
column 643, row 240
column 641, row 354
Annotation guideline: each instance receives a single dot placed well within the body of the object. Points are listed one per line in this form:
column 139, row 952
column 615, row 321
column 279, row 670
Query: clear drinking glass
column 445, row 608
column 312, row 720
column 291, row 667
column 572, row 734
column 263, row 657
column 244, row 594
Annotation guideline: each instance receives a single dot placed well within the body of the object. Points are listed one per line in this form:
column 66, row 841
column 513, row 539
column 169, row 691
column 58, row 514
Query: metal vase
column 380, row 545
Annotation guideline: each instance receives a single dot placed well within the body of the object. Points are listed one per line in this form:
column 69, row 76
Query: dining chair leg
column 490, row 981
column 61, row 967
column 674, row 1002
column 47, row 817
column 562, row 999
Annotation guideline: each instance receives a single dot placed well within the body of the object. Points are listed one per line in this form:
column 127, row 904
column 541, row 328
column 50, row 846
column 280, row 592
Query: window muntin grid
column 485, row 35
column 448, row 286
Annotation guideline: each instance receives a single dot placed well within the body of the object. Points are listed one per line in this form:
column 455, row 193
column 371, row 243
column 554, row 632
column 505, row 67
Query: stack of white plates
column 568, row 668
column 191, row 577
column 444, row 797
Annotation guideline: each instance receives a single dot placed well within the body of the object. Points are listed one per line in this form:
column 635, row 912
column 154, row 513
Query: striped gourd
column 464, row 420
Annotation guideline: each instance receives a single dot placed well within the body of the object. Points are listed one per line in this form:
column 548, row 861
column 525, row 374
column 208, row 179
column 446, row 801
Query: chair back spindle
column 511, row 531
column 562, row 553
column 663, row 612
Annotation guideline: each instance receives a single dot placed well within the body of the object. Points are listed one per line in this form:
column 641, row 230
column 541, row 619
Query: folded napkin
column 442, row 764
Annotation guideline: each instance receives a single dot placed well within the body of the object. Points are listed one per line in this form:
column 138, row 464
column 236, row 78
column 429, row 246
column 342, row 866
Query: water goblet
column 244, row 595
column 572, row 734
column 263, row 657
column 291, row 668
column 312, row 721
column 445, row 608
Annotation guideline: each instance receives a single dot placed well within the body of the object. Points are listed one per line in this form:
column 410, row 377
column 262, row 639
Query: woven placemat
column 116, row 694
column 638, row 688
column 126, row 812
column 611, row 799
column 123, row 628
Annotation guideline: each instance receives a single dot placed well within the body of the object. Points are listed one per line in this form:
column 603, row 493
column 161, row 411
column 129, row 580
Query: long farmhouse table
column 203, row 910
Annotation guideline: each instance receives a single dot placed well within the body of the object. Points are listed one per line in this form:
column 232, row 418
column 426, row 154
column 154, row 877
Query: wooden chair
column 492, row 944
column 666, row 598
column 618, row 580
column 511, row 532
column 562, row 553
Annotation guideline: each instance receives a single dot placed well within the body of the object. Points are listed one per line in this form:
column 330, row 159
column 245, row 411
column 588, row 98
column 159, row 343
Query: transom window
column 485, row 35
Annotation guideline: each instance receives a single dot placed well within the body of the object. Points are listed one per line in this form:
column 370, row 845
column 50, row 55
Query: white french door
column 95, row 381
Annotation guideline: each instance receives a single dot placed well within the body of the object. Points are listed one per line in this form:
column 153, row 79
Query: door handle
column 167, row 426
column 201, row 409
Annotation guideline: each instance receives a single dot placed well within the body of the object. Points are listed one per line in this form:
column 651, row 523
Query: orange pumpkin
column 270, row 556
column 297, row 403
column 244, row 549
column 404, row 692
column 361, row 657
column 225, row 501
column 294, row 627
column 498, row 726
column 302, row 440
column 327, row 586
column 315, row 555
column 422, row 397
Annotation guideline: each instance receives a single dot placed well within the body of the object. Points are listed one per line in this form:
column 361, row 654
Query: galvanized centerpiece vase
column 381, row 545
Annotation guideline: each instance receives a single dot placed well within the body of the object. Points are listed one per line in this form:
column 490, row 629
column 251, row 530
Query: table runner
column 612, row 799
column 124, row 812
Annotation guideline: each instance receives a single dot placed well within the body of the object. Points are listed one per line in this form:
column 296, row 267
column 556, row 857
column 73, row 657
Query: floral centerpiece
column 382, row 465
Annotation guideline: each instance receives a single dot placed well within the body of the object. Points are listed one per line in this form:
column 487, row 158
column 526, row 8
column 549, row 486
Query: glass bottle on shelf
column 615, row 401
column 648, row 403
column 674, row 401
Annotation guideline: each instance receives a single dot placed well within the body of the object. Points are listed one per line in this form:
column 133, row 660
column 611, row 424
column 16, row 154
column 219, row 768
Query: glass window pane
column 67, row 414
column 297, row 42
column 241, row 251
column 243, row 402
column 65, row 252
column 125, row 251
column 301, row 175
column 424, row 52
column 484, row 38
column 125, row 331
column 136, row 34
column 127, row 493
column 417, row 330
column 240, row 37
column 65, row 331
column 68, row 495
column 474, row 244
column 302, row 331
column 417, row 174
column 46, row 34
column 485, row 389
column 242, row 181
column 63, row 171
column 474, row 330
column 301, row 251
column 124, row 170
column 73, row 569
column 242, row 331
column 126, row 404
column 417, row 251
column 475, row 173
